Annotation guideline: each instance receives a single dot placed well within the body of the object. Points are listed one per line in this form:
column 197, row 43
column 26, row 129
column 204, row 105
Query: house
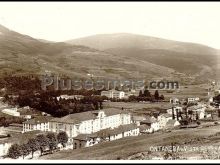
column 137, row 119
column 90, row 122
column 192, row 99
column 109, row 134
column 84, row 140
column 4, row 147
column 172, row 123
column 174, row 100
column 175, row 111
column 196, row 111
column 40, row 123
column 113, row 94
column 145, row 129
column 132, row 92
column 5, row 144
column 152, row 123
column 163, row 119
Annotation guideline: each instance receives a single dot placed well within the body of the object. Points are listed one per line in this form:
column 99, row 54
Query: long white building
column 90, row 122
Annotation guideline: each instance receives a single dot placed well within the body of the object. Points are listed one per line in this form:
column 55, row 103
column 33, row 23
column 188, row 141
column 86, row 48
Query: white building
column 87, row 140
column 152, row 123
column 38, row 123
column 113, row 94
column 77, row 97
column 90, row 122
column 192, row 99
column 174, row 100
column 163, row 119
column 173, row 111
column 172, row 123
column 11, row 111
column 4, row 147
column 197, row 111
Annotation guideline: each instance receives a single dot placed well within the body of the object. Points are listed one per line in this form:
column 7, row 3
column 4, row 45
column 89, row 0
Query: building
column 5, row 144
column 87, row 140
column 4, row 147
column 174, row 100
column 145, row 129
column 163, row 119
column 113, row 94
column 90, row 122
column 196, row 111
column 192, row 99
column 137, row 119
column 171, row 124
column 152, row 123
column 77, row 97
column 11, row 112
column 132, row 93
column 175, row 111
column 39, row 123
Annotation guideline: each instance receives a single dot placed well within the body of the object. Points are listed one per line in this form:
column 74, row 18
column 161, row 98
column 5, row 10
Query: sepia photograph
column 109, row 82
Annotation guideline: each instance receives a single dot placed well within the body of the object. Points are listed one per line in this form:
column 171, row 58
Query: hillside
column 113, row 56
column 21, row 54
column 187, row 58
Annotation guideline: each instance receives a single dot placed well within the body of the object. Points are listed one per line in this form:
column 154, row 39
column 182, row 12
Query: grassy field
column 123, row 148
column 185, row 91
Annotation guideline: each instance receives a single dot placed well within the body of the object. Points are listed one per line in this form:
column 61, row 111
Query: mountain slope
column 21, row 54
column 188, row 58
column 127, row 40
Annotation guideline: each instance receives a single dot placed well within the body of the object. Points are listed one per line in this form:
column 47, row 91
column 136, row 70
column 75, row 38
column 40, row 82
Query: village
column 112, row 121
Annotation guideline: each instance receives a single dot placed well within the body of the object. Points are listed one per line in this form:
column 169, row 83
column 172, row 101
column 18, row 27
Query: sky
column 197, row 22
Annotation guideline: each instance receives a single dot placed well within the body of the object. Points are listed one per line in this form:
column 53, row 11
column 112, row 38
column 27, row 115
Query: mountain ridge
column 22, row 54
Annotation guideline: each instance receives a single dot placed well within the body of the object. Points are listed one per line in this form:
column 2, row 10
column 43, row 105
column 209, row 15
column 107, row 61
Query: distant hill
column 110, row 56
column 127, row 40
column 191, row 59
column 21, row 54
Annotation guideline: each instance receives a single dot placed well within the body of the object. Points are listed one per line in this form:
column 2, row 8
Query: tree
column 25, row 149
column 62, row 138
column 162, row 97
column 34, row 145
column 147, row 93
column 52, row 141
column 156, row 95
column 43, row 142
column 14, row 151
column 140, row 93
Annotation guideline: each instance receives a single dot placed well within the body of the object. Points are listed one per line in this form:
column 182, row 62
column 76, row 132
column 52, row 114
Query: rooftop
column 171, row 122
column 143, row 127
column 149, row 120
column 89, row 115
column 37, row 120
column 107, row 132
